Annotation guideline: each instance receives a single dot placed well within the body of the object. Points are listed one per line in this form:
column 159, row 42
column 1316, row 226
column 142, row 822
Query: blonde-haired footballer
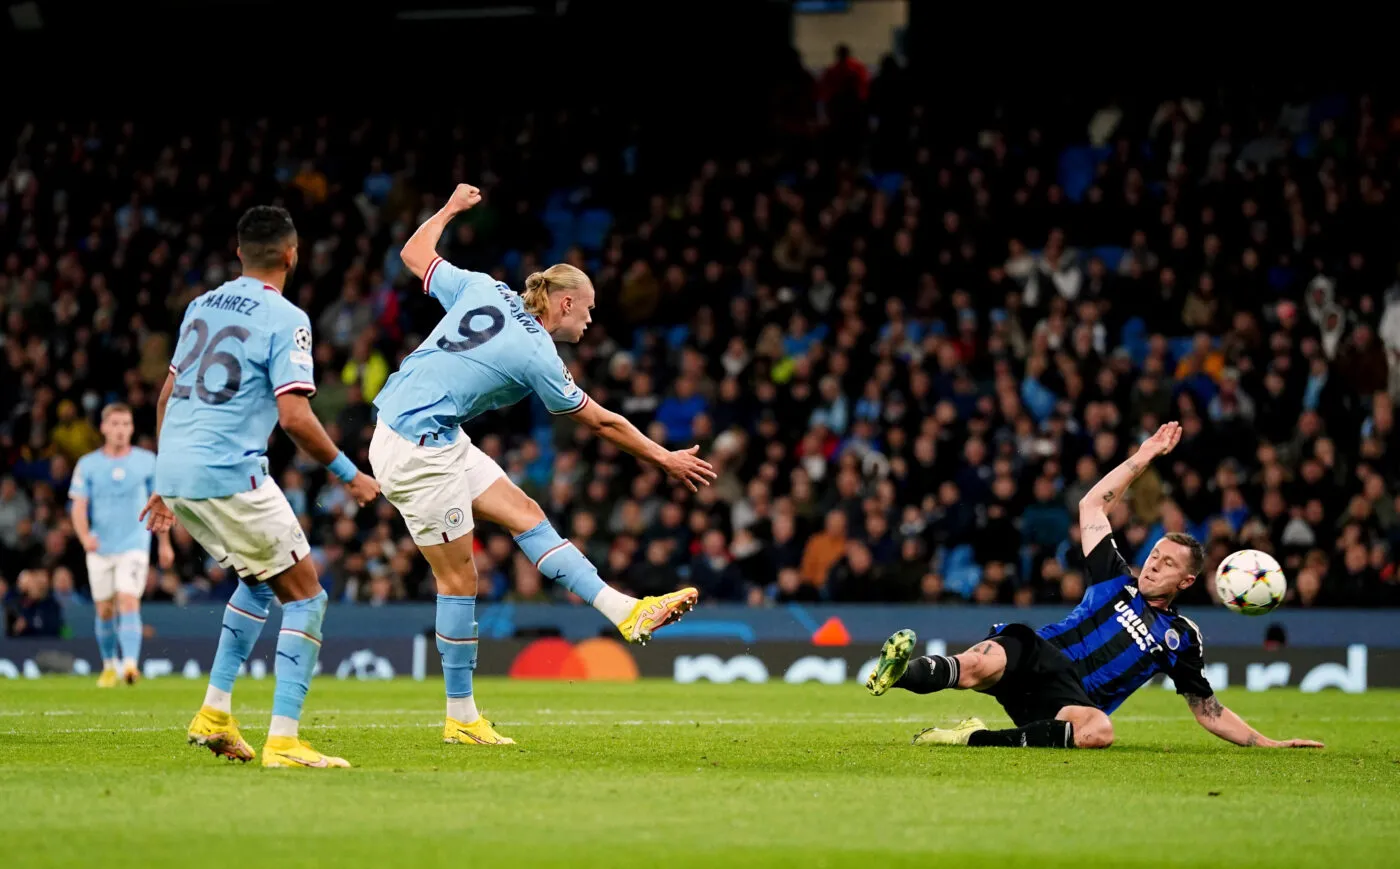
column 492, row 349
column 110, row 486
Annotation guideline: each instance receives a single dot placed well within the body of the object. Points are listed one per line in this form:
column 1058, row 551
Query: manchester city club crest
column 454, row 517
column 1173, row 639
column 119, row 474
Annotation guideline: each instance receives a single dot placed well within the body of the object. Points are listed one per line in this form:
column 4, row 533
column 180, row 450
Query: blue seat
column 510, row 261
column 963, row 581
column 1305, row 145
column 676, row 336
column 1280, row 278
column 1179, row 347
column 959, row 556
column 1078, row 164
column 888, row 182
column 1134, row 339
column 1135, row 329
column 1110, row 254
column 557, row 201
column 592, row 228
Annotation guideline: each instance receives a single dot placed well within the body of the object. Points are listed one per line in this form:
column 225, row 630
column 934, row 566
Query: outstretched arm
column 683, row 465
column 295, row 416
column 1230, row 727
column 420, row 249
column 1093, row 507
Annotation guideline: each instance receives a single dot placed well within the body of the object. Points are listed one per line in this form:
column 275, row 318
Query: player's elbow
column 417, row 257
column 608, row 421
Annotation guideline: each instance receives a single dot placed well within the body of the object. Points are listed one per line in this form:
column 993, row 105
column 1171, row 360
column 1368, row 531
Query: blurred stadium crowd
column 909, row 350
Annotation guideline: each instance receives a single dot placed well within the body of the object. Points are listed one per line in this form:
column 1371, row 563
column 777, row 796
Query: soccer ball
column 1250, row 582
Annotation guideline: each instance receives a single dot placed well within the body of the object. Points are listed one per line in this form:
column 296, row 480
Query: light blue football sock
column 107, row 639
column 559, row 560
column 456, row 643
column 243, row 623
column 129, row 635
column 298, row 644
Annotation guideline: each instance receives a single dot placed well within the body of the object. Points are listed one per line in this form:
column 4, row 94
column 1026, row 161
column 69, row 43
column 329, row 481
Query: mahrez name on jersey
column 231, row 302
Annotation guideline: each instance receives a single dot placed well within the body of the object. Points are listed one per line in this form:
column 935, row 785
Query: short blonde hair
column 115, row 408
column 555, row 279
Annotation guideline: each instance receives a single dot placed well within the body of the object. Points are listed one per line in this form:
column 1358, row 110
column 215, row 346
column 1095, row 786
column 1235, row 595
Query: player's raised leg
column 505, row 504
column 455, row 572
column 978, row 669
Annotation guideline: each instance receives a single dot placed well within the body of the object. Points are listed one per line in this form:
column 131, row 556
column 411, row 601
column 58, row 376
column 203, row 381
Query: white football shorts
column 255, row 533
column 431, row 486
column 118, row 573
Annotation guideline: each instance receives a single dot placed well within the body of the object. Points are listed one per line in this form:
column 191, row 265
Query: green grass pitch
column 659, row 774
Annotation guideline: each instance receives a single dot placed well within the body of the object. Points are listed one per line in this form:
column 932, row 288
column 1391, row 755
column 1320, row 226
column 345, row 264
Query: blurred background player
column 1059, row 684
column 493, row 348
column 109, row 487
column 243, row 365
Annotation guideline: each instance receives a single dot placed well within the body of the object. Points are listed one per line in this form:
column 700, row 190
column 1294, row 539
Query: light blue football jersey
column 240, row 347
column 116, row 489
column 487, row 353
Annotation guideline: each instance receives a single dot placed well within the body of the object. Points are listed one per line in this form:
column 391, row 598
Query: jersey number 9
column 472, row 338
column 204, row 351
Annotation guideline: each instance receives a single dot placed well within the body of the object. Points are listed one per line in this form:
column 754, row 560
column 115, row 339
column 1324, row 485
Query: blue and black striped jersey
column 1118, row 642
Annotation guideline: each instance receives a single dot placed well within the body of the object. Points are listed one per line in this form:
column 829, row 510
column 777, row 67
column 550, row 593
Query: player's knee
column 458, row 580
column 1093, row 731
column 531, row 515
column 301, row 582
column 106, row 608
column 981, row 666
column 128, row 603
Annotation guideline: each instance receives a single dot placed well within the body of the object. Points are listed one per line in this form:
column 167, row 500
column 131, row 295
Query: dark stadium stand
column 909, row 337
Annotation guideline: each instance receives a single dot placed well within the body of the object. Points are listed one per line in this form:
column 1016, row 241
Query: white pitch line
column 639, row 722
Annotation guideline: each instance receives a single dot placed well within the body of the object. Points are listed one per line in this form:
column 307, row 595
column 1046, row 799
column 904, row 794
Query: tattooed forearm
column 1134, row 467
column 1108, row 496
column 1206, row 707
column 1097, row 526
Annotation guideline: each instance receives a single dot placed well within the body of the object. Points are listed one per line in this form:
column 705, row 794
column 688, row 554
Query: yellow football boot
column 108, row 679
column 956, row 736
column 218, row 732
column 479, row 732
column 289, row 752
column 653, row 613
column 894, row 660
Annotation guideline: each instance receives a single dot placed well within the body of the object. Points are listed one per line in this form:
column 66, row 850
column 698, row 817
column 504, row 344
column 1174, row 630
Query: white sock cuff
column 613, row 604
column 218, row 699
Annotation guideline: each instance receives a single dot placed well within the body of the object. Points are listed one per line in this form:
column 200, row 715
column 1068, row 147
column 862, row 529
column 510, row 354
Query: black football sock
column 929, row 674
column 1037, row 734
